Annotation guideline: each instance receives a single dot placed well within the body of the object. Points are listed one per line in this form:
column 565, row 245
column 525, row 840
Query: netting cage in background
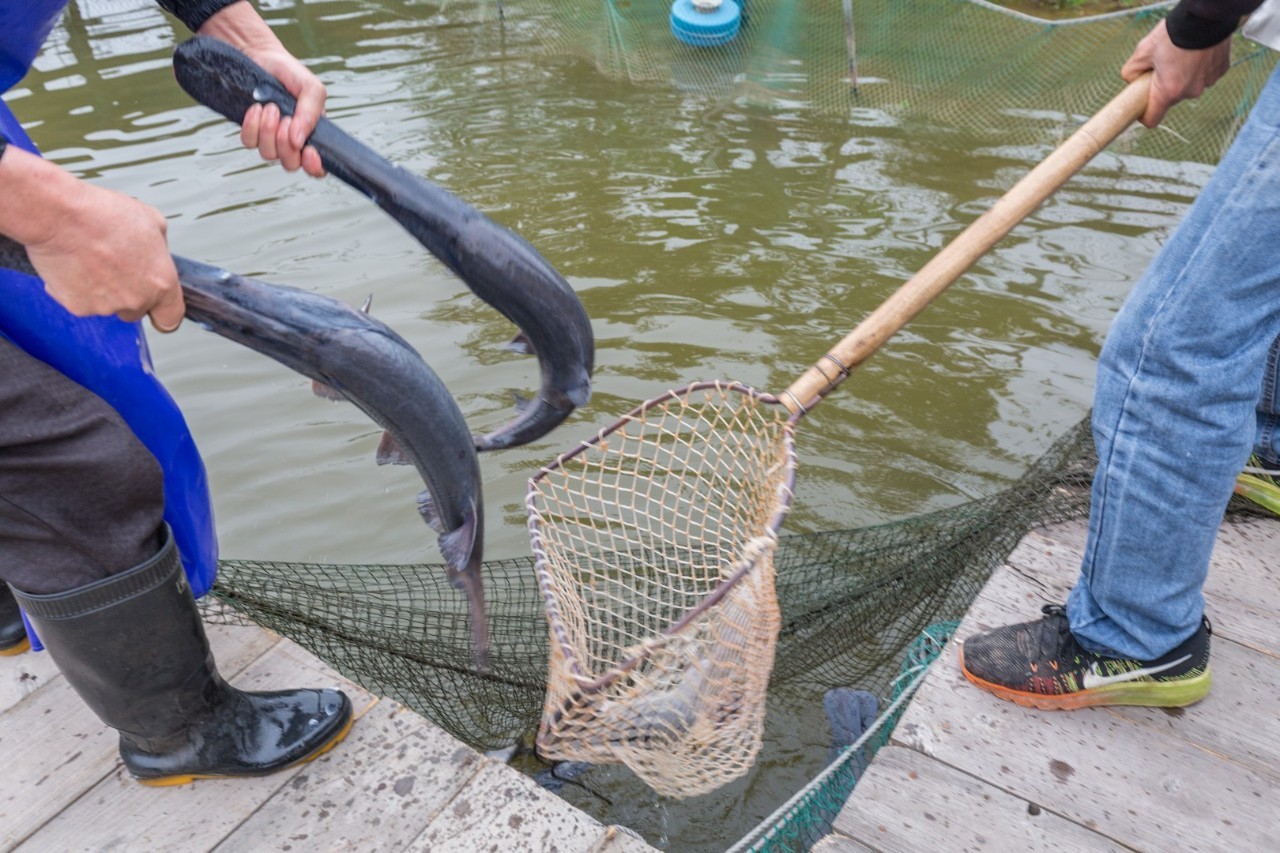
column 972, row 67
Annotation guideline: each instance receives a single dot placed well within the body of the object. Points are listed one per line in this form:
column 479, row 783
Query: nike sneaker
column 1039, row 664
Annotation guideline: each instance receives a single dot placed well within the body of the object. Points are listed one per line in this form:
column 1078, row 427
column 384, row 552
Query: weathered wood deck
column 396, row 783
column 967, row 771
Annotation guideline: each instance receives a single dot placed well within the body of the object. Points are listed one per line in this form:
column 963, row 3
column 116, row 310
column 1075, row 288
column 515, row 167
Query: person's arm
column 99, row 252
column 239, row 24
column 1188, row 52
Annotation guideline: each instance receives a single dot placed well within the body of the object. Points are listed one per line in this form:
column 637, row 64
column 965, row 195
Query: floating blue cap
column 705, row 27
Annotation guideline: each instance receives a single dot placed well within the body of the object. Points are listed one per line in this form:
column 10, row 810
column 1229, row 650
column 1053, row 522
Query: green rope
column 804, row 818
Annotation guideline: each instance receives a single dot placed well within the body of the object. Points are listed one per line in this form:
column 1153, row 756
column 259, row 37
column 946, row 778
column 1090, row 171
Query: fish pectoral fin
column 390, row 452
column 327, row 392
column 427, row 509
column 368, row 303
column 521, row 401
column 521, row 344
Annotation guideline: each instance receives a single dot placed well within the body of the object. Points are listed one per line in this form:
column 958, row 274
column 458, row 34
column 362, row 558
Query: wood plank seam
column 983, row 782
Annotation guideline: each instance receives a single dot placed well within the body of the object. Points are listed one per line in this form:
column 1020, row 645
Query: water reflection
column 706, row 241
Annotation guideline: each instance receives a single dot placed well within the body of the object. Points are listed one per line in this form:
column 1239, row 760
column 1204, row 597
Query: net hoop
column 653, row 545
column 546, row 583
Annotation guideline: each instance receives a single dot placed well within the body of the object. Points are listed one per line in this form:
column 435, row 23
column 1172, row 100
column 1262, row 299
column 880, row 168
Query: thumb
column 166, row 315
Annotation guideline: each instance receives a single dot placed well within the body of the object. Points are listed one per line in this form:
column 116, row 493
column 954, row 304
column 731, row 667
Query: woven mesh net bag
column 654, row 545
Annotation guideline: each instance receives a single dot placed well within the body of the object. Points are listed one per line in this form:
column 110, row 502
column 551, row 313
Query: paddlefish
column 498, row 265
column 366, row 362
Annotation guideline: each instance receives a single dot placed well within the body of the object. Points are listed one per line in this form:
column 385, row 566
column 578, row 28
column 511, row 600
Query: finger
column 267, row 132
column 1157, row 105
column 311, row 97
column 250, row 125
column 166, row 315
column 1133, row 69
column 1153, row 116
column 311, row 163
column 290, row 157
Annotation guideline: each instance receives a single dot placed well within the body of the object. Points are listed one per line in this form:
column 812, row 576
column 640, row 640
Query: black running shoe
column 1040, row 665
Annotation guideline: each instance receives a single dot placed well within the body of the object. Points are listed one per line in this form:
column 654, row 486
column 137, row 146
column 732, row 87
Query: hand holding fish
column 276, row 136
column 100, row 252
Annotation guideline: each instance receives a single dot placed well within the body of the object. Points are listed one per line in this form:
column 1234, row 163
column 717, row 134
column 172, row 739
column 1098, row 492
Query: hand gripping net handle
column 962, row 252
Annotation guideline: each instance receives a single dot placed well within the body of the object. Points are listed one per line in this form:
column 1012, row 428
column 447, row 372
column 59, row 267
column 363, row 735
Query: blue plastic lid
column 705, row 29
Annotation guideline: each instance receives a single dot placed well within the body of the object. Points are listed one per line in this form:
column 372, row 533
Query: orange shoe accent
column 16, row 650
column 1041, row 701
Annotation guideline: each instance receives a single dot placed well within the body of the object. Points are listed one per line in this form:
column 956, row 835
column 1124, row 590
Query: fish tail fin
column 459, row 549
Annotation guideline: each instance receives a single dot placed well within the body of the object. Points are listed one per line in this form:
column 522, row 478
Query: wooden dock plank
column 127, row 815
column 397, row 773
column 124, row 815
column 21, row 675
column 837, row 843
column 396, row 783
column 500, row 806
column 906, row 796
column 55, row 748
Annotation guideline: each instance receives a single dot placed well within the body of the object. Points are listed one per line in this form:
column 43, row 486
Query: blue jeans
column 1187, row 384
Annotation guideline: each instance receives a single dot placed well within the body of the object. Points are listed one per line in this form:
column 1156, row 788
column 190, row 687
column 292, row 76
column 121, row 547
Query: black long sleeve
column 1197, row 24
column 193, row 13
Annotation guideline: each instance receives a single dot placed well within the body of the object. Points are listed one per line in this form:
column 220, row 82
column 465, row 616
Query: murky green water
column 706, row 241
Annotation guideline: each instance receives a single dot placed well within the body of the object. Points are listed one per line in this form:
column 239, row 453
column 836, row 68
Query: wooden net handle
column 962, row 252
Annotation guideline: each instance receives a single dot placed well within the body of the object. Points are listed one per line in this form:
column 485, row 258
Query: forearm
column 37, row 195
column 1198, row 24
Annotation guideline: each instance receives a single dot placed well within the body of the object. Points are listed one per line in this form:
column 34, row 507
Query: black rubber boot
column 134, row 648
column 13, row 634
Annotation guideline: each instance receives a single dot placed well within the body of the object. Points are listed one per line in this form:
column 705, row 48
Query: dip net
column 654, row 547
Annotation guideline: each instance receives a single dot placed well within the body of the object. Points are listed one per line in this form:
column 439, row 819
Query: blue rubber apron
column 106, row 355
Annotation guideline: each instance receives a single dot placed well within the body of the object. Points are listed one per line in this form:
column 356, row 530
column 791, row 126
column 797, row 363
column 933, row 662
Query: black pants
column 81, row 498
